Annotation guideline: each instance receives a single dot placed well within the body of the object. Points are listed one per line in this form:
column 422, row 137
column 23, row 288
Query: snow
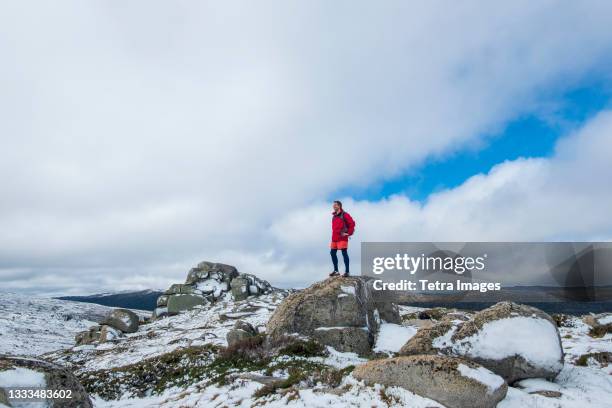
column 22, row 377
column 348, row 289
column 605, row 320
column 392, row 337
column 211, row 285
column 125, row 319
column 351, row 393
column 31, row 326
column 482, row 375
column 515, row 335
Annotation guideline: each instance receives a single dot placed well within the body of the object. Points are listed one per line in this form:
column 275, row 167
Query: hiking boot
column 334, row 273
column 345, row 274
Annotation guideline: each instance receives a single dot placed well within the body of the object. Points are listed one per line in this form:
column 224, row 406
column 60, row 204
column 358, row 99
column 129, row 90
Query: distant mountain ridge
column 142, row 300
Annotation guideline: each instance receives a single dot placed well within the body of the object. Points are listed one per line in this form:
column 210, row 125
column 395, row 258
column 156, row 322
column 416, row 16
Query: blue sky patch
column 527, row 136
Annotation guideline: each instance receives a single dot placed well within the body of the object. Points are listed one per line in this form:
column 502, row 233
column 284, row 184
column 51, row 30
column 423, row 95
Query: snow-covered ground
column 578, row 386
column 30, row 325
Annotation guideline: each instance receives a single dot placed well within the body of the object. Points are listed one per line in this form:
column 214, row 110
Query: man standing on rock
column 343, row 227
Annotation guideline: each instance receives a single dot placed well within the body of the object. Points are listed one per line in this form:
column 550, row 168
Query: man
column 343, row 227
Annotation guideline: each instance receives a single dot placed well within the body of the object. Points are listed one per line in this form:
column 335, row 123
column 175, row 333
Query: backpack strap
column 345, row 229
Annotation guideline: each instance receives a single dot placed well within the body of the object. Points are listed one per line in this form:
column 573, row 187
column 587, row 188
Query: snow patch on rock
column 391, row 337
column 22, row 377
column 482, row 375
column 515, row 335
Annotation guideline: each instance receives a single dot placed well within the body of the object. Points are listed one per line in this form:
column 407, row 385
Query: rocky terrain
column 224, row 338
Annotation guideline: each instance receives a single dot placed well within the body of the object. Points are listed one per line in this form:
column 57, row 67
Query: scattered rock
column 562, row 320
column 89, row 336
column 336, row 303
column 108, row 333
column 501, row 339
column 122, row 319
column 51, row 376
column 453, row 382
column 241, row 331
column 547, row 393
column 601, row 324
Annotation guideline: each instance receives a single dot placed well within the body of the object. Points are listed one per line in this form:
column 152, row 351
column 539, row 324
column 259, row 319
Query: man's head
column 337, row 206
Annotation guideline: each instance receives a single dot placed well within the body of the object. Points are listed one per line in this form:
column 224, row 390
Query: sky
column 140, row 138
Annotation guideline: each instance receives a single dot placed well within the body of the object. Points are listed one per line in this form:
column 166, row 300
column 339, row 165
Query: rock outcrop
column 500, row 338
column 339, row 312
column 206, row 283
column 453, row 382
column 29, row 372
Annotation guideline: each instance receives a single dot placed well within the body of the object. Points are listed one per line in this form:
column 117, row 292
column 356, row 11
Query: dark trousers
column 345, row 257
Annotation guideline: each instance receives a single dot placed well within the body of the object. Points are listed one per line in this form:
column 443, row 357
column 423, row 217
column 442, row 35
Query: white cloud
column 145, row 136
column 561, row 198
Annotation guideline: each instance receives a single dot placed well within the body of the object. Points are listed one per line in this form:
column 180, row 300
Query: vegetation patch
column 603, row 358
column 180, row 367
column 304, row 348
column 216, row 365
column 302, row 371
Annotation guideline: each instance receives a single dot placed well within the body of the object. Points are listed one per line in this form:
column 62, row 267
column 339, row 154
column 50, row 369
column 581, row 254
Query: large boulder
column 41, row 374
column 453, row 382
column 122, row 319
column 241, row 330
column 179, row 303
column 331, row 311
column 514, row 341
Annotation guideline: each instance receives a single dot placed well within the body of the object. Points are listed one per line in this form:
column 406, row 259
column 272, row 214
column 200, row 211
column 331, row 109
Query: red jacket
column 342, row 224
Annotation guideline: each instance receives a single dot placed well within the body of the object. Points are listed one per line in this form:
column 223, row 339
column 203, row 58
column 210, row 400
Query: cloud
column 561, row 198
column 143, row 138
